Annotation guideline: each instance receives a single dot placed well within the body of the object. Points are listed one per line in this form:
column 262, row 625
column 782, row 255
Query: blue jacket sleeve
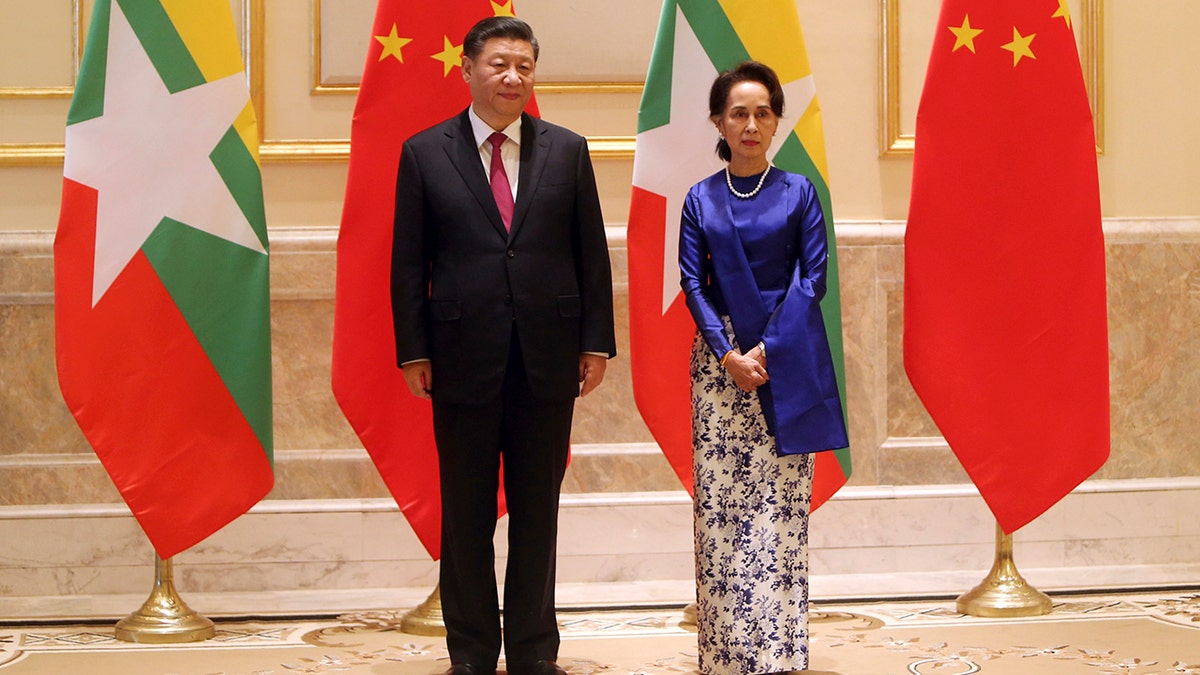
column 694, row 276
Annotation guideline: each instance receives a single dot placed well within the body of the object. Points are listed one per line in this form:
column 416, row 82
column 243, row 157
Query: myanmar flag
column 697, row 39
column 162, row 319
column 1005, row 316
column 412, row 80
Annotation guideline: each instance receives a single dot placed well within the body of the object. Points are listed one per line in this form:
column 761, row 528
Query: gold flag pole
column 426, row 618
column 164, row 618
column 1004, row 593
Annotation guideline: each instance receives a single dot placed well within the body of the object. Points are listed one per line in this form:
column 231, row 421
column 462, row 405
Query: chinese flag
column 412, row 80
column 1005, row 325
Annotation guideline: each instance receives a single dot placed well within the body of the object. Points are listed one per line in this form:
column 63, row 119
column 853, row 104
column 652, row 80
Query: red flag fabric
column 412, row 80
column 1005, row 323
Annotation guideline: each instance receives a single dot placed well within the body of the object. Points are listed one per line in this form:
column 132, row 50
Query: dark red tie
column 501, row 190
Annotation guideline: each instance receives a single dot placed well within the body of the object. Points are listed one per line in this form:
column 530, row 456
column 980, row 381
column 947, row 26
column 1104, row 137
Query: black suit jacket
column 459, row 281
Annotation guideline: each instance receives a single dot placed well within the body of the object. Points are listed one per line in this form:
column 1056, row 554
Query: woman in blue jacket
column 752, row 258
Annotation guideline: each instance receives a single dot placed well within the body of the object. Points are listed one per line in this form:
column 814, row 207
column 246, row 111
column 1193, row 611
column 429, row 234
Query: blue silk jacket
column 762, row 262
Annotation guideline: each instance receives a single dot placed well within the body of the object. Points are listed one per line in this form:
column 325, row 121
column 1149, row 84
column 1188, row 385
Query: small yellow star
column 1020, row 46
column 392, row 44
column 503, row 8
column 450, row 56
column 1063, row 11
column 964, row 35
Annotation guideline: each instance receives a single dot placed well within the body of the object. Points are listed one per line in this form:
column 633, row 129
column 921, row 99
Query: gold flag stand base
column 164, row 618
column 689, row 615
column 1004, row 593
column 426, row 618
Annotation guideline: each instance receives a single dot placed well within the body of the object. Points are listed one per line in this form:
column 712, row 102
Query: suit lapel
column 460, row 147
column 535, row 148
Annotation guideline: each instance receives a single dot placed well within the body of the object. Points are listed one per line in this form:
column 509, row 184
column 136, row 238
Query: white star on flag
column 148, row 156
column 673, row 157
column 679, row 157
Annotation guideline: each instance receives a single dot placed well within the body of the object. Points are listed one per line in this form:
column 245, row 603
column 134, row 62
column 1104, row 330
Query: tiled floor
column 1112, row 634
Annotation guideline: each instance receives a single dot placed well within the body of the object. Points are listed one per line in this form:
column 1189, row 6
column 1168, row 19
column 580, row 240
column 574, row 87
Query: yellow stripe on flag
column 809, row 130
column 770, row 31
column 205, row 27
column 246, row 126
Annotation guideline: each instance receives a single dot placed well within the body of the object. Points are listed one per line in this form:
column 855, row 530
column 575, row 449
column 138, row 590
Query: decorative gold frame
column 54, row 92
column 319, row 88
column 893, row 142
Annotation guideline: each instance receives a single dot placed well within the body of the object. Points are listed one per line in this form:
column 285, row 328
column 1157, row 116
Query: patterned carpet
column 1135, row 634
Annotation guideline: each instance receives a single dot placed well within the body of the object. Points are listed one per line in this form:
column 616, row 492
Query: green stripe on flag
column 794, row 157
column 88, row 100
column 243, row 177
column 162, row 43
column 716, row 34
column 218, row 285
column 655, row 109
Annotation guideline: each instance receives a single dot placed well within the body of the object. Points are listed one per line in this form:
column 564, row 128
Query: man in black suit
column 502, row 301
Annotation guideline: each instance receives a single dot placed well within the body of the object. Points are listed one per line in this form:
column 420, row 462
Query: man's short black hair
column 497, row 27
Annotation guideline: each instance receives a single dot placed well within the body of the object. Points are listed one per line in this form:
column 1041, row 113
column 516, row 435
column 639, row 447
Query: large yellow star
column 1063, row 11
column 503, row 8
column 964, row 35
column 450, row 56
column 1020, row 46
column 392, row 44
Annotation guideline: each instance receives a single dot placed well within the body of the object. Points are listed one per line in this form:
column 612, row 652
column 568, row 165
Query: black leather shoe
column 468, row 669
column 544, row 668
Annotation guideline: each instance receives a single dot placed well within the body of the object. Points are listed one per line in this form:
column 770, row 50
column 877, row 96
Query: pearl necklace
column 746, row 195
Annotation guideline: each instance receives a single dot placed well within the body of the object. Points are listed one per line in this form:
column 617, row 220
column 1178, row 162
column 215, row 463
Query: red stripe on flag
column 146, row 396
column 660, row 344
column 828, row 478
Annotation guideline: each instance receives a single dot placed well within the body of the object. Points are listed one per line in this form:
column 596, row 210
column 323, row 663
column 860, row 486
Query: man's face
column 501, row 80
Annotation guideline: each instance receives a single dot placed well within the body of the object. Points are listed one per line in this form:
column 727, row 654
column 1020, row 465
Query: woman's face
column 748, row 123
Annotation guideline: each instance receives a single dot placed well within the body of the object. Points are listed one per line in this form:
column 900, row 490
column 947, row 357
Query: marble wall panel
column 56, row 479
column 306, row 414
column 326, row 474
column 1154, row 307
column 862, row 335
column 33, row 417
column 604, row 470
column 906, row 417
column 1131, row 551
column 1154, row 340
